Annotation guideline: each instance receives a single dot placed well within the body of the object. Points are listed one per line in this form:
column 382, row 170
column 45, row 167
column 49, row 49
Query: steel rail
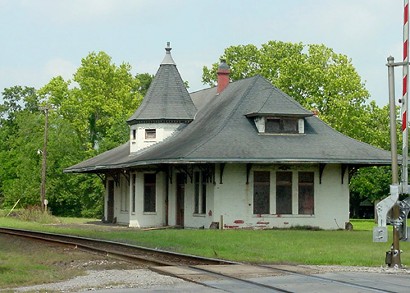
column 239, row 280
column 176, row 259
column 345, row 283
column 154, row 256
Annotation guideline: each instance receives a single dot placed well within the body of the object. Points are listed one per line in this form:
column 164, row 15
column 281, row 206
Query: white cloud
column 59, row 66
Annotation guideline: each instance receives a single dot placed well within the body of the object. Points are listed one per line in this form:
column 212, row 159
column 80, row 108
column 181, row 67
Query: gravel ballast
column 146, row 279
column 108, row 279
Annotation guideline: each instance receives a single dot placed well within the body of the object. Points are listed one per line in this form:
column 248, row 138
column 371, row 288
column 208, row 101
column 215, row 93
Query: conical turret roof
column 167, row 99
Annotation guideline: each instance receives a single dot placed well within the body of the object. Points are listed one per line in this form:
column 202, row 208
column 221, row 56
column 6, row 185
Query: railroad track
column 133, row 253
column 209, row 268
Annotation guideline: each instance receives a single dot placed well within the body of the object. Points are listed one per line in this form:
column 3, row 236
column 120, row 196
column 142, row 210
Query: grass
column 321, row 247
column 28, row 265
column 257, row 246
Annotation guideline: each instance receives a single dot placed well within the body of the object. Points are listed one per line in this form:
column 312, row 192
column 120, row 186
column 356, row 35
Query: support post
column 395, row 248
column 393, row 129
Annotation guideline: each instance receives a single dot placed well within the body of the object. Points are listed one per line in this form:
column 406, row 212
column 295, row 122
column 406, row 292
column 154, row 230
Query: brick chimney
column 223, row 76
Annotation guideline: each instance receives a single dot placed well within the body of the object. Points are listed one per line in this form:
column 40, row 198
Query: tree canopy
column 317, row 77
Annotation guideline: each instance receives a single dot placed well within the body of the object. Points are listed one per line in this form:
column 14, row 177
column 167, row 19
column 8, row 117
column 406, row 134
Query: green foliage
column 145, row 80
column 318, row 78
column 86, row 117
column 98, row 106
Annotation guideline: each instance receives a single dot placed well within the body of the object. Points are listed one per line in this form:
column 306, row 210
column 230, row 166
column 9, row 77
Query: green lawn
column 258, row 246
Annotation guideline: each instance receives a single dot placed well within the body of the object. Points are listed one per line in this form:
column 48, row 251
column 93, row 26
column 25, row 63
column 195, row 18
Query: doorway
column 110, row 202
column 180, row 196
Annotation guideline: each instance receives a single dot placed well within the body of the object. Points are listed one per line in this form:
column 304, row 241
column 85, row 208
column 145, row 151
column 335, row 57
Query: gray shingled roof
column 221, row 132
column 167, row 97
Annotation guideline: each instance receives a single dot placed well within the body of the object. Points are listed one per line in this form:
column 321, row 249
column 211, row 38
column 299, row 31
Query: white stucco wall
column 121, row 199
column 233, row 200
column 163, row 130
column 191, row 219
column 139, row 218
column 197, row 220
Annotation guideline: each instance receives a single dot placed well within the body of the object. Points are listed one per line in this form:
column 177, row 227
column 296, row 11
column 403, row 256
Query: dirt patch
column 28, row 262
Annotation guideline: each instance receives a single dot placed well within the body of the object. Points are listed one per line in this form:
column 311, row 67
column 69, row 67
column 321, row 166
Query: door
column 110, row 202
column 180, row 194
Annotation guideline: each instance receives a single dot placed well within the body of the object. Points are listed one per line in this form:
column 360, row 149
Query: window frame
column 261, row 192
column 150, row 134
column 284, row 191
column 134, row 193
column 150, row 193
column 306, row 206
column 283, row 125
column 200, row 193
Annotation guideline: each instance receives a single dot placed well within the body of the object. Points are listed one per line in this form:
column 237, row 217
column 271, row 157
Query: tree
column 318, row 78
column 21, row 136
column 104, row 97
column 145, row 80
column 88, row 115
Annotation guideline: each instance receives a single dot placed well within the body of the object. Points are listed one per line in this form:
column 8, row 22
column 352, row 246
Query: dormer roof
column 271, row 101
column 167, row 99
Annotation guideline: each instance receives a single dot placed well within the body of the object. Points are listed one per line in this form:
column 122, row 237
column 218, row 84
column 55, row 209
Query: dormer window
column 281, row 125
column 150, row 134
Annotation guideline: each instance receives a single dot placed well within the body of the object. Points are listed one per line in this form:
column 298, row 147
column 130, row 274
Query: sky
column 41, row 39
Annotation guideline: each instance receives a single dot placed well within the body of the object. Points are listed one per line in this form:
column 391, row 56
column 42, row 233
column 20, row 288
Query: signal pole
column 404, row 99
column 395, row 248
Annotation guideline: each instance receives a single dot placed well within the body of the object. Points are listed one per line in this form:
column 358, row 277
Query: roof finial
column 168, row 48
column 168, row 58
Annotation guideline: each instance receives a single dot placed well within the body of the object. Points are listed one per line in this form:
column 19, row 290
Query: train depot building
column 242, row 154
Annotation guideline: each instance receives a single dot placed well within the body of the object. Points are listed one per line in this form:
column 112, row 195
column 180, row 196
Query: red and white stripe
column 404, row 108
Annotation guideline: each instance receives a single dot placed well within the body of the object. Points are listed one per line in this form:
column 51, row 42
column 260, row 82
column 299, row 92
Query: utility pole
column 44, row 161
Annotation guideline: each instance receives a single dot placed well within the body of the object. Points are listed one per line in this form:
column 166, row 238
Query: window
column 203, row 194
column 196, row 192
column 306, row 193
column 284, row 192
column 125, row 196
column 150, row 133
column 281, row 125
column 261, row 194
column 149, row 193
column 134, row 191
column 200, row 193
column 134, row 134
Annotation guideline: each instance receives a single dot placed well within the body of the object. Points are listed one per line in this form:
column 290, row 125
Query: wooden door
column 110, row 202
column 180, row 194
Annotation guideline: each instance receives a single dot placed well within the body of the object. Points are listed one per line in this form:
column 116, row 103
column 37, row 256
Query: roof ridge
column 293, row 100
column 227, row 118
column 266, row 100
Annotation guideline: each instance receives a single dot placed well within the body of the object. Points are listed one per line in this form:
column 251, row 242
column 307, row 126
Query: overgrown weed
column 35, row 214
